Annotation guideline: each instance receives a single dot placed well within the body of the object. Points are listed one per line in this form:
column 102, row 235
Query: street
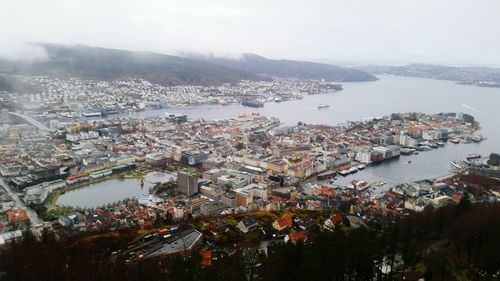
column 34, row 219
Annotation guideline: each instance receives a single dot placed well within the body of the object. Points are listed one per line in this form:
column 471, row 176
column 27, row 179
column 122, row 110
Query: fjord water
column 356, row 102
column 359, row 101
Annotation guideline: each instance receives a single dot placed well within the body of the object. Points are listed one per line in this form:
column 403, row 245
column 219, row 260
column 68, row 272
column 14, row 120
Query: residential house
column 295, row 237
column 283, row 222
column 247, row 224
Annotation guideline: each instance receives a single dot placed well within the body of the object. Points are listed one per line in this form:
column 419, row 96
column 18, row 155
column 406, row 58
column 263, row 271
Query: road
column 33, row 216
column 32, row 121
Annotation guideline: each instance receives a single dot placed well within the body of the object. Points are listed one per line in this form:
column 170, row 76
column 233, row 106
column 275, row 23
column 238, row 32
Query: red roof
column 206, row 257
column 336, row 219
column 456, row 198
column 75, row 176
column 17, row 216
column 297, row 236
column 147, row 224
column 285, row 221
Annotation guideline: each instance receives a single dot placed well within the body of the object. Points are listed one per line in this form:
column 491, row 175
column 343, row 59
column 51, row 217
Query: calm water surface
column 390, row 94
column 102, row 193
column 356, row 102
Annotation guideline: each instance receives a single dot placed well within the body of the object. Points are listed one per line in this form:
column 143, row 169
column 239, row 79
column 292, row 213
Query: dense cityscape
column 74, row 97
column 247, row 177
column 249, row 140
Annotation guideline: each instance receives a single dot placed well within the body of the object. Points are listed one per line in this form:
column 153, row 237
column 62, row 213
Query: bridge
column 32, row 121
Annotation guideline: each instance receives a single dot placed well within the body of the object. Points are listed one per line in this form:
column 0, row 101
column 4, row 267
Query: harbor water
column 358, row 101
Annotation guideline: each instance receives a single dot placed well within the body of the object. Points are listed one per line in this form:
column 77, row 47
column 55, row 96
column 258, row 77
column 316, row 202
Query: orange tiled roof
column 297, row 236
column 206, row 257
column 17, row 216
column 285, row 221
column 336, row 219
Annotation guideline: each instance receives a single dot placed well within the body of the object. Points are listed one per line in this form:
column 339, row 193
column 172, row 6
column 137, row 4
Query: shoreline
column 51, row 202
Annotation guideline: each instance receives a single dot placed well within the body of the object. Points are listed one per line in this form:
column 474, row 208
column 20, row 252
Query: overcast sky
column 384, row 31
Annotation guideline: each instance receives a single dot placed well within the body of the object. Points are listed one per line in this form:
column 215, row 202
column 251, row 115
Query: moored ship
column 456, row 165
column 92, row 114
column 473, row 156
column 360, row 185
column 252, row 103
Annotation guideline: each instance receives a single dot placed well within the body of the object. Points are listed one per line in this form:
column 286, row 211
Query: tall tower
column 187, row 183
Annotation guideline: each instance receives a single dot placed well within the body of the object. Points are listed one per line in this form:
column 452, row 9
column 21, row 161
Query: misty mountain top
column 101, row 63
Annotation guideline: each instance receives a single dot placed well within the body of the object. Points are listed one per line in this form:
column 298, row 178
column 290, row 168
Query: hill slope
column 289, row 68
column 100, row 63
column 481, row 76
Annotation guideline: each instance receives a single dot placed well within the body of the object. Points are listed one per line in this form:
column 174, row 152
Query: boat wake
column 469, row 107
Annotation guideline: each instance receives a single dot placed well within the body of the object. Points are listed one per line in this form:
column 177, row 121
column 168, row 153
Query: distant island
column 479, row 76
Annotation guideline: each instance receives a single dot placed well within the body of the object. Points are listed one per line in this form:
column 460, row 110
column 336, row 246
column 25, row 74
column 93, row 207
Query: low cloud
column 221, row 55
column 24, row 52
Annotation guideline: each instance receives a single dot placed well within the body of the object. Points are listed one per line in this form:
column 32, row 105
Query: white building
column 429, row 135
column 407, row 141
column 364, row 156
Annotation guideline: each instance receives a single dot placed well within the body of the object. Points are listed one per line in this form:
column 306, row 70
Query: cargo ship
column 252, row 103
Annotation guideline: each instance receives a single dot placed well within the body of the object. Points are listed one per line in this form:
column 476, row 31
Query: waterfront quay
column 243, row 164
column 79, row 98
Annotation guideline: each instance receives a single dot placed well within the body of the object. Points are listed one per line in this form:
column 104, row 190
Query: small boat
column 360, row 185
column 440, row 143
column 344, row 172
column 278, row 99
column 479, row 138
column 353, row 170
column 407, row 151
column 408, row 162
column 322, row 106
column 456, row 165
column 455, row 141
column 473, row 156
column 361, row 166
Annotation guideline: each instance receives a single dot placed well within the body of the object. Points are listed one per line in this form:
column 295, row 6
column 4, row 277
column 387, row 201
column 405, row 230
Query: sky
column 455, row 32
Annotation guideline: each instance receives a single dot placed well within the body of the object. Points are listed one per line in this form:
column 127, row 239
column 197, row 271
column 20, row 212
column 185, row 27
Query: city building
column 187, row 183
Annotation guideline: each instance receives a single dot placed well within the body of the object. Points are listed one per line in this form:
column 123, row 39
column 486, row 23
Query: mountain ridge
column 106, row 64
column 260, row 65
column 102, row 63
